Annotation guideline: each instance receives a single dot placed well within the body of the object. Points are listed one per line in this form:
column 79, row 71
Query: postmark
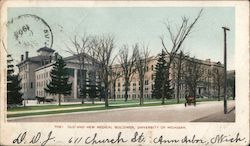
column 29, row 31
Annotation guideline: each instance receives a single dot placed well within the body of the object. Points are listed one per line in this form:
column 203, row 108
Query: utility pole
column 225, row 29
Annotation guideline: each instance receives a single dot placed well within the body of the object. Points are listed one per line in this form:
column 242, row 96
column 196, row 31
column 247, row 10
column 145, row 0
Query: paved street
column 203, row 112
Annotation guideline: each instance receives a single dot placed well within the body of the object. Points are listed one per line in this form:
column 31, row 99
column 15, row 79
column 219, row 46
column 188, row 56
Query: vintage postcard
column 124, row 73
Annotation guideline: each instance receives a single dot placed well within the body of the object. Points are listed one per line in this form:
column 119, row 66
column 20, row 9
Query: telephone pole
column 225, row 29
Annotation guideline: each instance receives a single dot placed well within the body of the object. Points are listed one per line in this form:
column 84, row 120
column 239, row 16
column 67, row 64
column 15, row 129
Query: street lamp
column 225, row 29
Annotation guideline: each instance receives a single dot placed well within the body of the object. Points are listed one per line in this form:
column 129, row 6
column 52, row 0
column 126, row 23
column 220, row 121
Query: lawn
column 92, row 107
column 42, row 107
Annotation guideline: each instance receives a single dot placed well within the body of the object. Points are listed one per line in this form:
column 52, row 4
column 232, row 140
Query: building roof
column 46, row 49
column 35, row 59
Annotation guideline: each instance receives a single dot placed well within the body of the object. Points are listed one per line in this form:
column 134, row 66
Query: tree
column 180, row 65
column 115, row 74
column 218, row 80
column 177, row 38
column 127, row 64
column 103, row 48
column 59, row 83
column 162, row 87
column 141, row 63
column 81, row 48
column 193, row 75
column 14, row 95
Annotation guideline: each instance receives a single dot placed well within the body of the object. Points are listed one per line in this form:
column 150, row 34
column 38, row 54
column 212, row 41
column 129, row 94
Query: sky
column 128, row 25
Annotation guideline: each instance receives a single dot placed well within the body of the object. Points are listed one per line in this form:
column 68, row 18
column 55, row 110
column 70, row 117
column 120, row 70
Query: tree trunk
column 106, row 96
column 93, row 100
column 141, row 92
column 126, row 89
column 219, row 93
column 114, row 90
column 178, row 78
column 162, row 92
column 59, row 99
column 194, row 93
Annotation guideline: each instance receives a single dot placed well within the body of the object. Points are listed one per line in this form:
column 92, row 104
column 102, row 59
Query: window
column 31, row 85
column 146, row 82
column 152, row 76
column 134, row 84
column 152, row 67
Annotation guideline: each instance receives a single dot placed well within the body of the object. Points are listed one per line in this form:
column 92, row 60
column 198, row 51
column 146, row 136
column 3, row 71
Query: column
column 75, row 84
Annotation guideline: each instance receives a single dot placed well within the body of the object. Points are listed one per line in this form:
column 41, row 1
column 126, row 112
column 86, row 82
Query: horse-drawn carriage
column 190, row 100
column 43, row 99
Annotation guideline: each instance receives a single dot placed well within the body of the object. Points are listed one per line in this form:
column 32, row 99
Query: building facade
column 205, row 87
column 35, row 73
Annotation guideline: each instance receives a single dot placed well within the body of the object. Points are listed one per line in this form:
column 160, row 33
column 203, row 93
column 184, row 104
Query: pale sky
column 134, row 24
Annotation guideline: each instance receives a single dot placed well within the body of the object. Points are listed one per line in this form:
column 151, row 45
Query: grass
column 91, row 107
column 42, row 107
column 83, row 109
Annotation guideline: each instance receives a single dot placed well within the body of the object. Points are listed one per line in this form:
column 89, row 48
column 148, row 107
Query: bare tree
column 179, row 70
column 177, row 38
column 93, row 72
column 103, row 47
column 141, row 63
column 80, row 50
column 115, row 74
column 193, row 75
column 218, row 80
column 127, row 64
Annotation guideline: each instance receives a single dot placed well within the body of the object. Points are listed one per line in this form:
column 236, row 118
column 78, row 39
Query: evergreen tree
column 14, row 96
column 59, row 80
column 162, row 87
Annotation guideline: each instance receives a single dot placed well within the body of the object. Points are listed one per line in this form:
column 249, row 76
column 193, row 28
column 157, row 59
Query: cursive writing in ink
column 22, row 138
column 95, row 140
column 223, row 138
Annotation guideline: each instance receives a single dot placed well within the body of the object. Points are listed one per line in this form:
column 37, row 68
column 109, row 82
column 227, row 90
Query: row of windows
column 42, row 75
column 134, row 89
column 25, row 85
column 24, row 76
column 147, row 69
column 146, row 82
column 23, row 68
column 133, row 96
column 42, row 83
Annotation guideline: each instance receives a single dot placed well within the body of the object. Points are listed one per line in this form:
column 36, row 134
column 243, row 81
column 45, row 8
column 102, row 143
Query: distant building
column 35, row 73
column 205, row 88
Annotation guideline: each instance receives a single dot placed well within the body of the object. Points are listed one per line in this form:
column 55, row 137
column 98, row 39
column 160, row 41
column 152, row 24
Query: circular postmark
column 29, row 31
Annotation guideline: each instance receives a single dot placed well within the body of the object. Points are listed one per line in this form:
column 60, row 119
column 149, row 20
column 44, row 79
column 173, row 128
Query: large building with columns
column 35, row 73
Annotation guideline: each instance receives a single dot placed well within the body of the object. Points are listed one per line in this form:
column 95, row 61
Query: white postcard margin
column 63, row 132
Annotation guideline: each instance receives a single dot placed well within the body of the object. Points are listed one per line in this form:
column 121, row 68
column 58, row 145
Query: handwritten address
column 136, row 138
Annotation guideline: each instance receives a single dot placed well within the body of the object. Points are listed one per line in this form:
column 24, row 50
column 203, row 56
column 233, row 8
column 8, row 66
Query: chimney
column 50, row 58
column 26, row 55
column 56, row 56
column 22, row 57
